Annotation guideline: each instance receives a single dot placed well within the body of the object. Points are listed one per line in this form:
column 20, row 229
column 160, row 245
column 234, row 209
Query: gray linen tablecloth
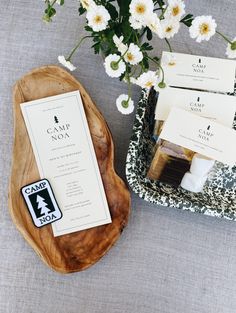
column 166, row 260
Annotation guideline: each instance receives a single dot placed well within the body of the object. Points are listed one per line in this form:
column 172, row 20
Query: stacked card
column 194, row 120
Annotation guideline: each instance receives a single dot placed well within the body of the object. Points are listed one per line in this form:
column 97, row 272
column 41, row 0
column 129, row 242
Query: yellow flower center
column 153, row 27
column 169, row 29
column 175, row 10
column 140, row 8
column 97, row 19
column 149, row 84
column 204, row 28
column 85, row 4
column 130, row 56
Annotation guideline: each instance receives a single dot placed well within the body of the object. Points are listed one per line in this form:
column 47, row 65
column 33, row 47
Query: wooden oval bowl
column 79, row 250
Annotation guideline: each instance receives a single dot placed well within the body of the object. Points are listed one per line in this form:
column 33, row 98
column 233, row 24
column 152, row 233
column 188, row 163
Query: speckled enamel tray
column 219, row 195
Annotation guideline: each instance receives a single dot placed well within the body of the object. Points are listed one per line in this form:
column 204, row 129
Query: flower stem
column 131, row 33
column 168, row 43
column 54, row 2
column 48, row 12
column 129, row 88
column 51, row 4
column 121, row 57
column 76, row 47
column 224, row 37
column 160, row 67
column 125, row 103
column 137, row 40
column 124, row 53
column 141, row 69
column 134, row 71
column 163, row 12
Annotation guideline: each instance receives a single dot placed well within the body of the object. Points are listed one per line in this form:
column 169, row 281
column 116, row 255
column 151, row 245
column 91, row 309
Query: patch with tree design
column 41, row 203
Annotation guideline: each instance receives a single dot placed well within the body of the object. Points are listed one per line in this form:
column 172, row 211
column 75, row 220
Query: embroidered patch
column 41, row 203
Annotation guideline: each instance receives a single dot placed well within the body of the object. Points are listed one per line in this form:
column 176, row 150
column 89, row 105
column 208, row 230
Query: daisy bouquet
column 123, row 30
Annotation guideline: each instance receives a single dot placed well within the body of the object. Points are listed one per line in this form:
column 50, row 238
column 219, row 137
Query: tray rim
column 143, row 191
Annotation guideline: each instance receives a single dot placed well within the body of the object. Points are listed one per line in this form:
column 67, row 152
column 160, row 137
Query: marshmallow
column 192, row 182
column 201, row 165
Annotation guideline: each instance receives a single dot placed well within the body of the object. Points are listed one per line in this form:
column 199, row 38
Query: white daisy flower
column 66, row 63
column 202, row 28
column 231, row 50
column 170, row 27
column 88, row 4
column 124, row 104
column 140, row 9
column 133, row 55
column 154, row 24
column 169, row 60
column 175, row 9
column 118, row 41
column 147, row 80
column 98, row 18
column 134, row 23
column 114, row 66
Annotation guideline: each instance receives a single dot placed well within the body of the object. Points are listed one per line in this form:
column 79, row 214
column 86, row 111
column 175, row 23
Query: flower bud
column 233, row 45
column 162, row 85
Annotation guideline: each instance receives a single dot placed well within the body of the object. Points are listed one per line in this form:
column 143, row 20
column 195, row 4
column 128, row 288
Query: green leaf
column 161, row 3
column 124, row 7
column 146, row 63
column 96, row 39
column 156, row 59
column 50, row 11
column 126, row 29
column 81, row 10
column 122, row 77
column 149, row 34
column 88, row 28
column 112, row 10
column 109, row 34
column 187, row 20
column 146, row 47
column 62, row 2
column 128, row 69
column 97, row 47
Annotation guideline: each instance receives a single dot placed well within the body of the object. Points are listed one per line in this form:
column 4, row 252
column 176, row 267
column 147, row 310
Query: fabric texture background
column 166, row 260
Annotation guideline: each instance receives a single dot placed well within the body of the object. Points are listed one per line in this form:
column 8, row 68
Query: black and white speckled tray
column 219, row 195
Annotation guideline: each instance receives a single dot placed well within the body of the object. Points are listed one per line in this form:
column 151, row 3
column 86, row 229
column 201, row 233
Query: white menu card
column 198, row 72
column 64, row 152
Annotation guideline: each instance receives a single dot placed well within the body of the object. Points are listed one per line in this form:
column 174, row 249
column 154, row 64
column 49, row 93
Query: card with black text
column 65, row 155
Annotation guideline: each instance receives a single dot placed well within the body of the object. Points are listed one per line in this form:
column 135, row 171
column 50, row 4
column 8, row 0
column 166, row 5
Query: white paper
column 220, row 108
column 65, row 155
column 200, row 135
column 198, row 72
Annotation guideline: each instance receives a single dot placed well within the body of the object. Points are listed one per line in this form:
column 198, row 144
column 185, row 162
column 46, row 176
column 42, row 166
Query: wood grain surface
column 79, row 250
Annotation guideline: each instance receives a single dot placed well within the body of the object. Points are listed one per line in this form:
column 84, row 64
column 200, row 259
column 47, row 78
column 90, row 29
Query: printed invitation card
column 64, row 152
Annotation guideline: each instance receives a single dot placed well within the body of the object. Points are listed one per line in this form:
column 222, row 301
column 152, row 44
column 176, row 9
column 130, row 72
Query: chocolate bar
column 170, row 163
